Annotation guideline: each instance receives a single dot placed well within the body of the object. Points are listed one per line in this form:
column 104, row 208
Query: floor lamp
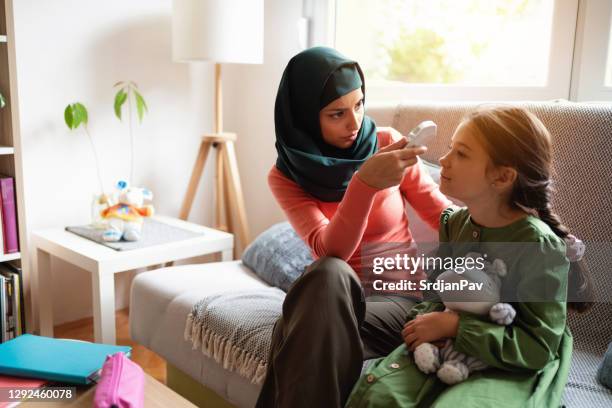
column 219, row 31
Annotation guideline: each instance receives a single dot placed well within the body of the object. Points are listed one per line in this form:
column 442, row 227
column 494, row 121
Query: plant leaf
column 2, row 101
column 81, row 114
column 141, row 105
column 120, row 99
column 118, row 83
column 75, row 114
column 69, row 117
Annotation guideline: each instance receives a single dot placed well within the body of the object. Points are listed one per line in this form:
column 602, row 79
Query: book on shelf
column 4, row 313
column 9, row 215
column 6, row 309
column 10, row 268
column 12, row 312
column 2, row 228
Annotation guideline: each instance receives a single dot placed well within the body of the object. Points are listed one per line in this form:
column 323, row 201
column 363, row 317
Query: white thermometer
column 422, row 134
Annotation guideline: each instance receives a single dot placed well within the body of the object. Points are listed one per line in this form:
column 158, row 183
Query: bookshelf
column 10, row 144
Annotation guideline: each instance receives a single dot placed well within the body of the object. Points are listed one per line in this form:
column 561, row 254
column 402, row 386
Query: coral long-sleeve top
column 368, row 222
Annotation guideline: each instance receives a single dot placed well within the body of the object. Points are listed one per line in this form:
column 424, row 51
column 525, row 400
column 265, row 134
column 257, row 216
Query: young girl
column 499, row 165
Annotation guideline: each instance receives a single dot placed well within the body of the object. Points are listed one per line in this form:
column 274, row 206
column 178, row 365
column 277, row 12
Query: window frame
column 591, row 54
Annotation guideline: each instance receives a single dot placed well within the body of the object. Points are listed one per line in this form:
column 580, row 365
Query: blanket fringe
column 231, row 357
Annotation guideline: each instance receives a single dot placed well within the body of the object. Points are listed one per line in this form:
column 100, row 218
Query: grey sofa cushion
column 278, row 256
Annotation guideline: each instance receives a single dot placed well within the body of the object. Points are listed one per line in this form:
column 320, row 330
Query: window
column 473, row 42
column 609, row 63
column 473, row 49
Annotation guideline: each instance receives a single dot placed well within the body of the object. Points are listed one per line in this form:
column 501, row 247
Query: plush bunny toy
column 125, row 218
column 450, row 365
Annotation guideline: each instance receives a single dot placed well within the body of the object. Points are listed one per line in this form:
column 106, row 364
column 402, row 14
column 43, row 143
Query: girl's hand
column 430, row 327
column 386, row 168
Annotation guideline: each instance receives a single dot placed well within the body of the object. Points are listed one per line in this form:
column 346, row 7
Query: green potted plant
column 76, row 115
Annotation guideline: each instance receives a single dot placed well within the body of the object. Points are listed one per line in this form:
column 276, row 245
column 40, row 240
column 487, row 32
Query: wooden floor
column 150, row 362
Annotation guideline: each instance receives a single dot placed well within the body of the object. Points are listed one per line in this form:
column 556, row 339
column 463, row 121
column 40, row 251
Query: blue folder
column 61, row 360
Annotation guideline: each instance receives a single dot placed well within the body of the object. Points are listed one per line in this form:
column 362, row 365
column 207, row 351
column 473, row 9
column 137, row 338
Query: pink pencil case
column 121, row 384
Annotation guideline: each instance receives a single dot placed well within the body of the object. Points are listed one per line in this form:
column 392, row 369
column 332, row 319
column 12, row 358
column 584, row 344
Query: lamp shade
column 222, row 31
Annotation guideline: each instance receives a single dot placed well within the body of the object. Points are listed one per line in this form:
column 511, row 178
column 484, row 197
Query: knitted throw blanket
column 235, row 328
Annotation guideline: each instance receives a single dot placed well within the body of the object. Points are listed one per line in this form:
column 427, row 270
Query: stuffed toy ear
column 147, row 194
column 499, row 268
column 122, row 184
column 472, row 255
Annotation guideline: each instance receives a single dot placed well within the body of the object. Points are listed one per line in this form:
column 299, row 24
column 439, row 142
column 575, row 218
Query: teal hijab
column 312, row 79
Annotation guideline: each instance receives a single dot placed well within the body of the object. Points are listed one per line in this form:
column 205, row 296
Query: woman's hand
column 386, row 168
column 429, row 328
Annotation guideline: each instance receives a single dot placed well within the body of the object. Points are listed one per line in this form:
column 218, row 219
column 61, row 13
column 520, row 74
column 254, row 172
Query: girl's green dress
column 529, row 360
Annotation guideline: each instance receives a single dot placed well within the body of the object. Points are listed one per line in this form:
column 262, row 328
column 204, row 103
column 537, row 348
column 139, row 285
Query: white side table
column 103, row 263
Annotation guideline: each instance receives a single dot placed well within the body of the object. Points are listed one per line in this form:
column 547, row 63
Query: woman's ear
column 504, row 177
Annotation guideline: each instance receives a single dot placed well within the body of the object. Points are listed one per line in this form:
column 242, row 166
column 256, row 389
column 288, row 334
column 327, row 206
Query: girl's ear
column 504, row 177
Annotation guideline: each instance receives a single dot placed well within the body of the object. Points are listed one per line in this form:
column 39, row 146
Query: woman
column 342, row 185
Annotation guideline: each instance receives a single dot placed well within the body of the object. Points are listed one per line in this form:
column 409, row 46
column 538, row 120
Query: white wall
column 69, row 50
column 250, row 91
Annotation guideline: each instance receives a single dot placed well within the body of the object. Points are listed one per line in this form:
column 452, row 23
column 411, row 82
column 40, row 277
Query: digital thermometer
column 422, row 134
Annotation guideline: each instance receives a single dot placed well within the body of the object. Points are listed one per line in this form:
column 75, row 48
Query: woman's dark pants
column 326, row 331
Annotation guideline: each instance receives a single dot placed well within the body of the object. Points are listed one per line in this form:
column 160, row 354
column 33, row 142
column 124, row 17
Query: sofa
column 582, row 147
